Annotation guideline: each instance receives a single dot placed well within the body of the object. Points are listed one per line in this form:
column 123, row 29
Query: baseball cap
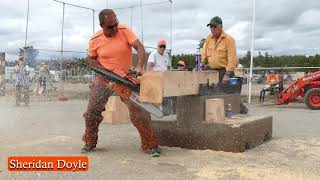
column 215, row 21
column 162, row 42
column 181, row 63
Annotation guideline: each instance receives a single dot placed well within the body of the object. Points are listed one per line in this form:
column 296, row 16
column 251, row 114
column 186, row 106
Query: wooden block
column 116, row 111
column 190, row 83
column 215, row 110
column 156, row 85
column 172, row 83
column 151, row 88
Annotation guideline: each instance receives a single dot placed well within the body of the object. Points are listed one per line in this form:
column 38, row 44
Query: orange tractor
column 307, row 87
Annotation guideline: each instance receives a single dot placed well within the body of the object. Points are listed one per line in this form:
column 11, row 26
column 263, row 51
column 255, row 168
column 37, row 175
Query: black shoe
column 155, row 151
column 86, row 149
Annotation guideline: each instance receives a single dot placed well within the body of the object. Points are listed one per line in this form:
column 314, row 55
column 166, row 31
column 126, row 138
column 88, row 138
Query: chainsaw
column 127, row 86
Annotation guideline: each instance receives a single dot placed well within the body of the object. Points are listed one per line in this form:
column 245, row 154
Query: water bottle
column 198, row 62
column 229, row 111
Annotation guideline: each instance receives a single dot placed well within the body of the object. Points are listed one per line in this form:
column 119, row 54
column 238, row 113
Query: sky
column 283, row 27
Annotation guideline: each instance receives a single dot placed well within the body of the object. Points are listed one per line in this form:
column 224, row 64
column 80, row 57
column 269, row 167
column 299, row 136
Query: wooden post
column 215, row 112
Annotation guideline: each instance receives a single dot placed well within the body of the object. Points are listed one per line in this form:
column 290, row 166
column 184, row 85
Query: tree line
column 262, row 60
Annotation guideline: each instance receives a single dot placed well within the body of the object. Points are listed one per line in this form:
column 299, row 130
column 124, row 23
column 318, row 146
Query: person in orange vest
column 273, row 83
column 272, row 78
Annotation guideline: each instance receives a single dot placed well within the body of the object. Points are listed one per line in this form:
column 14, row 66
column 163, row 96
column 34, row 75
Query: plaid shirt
column 22, row 75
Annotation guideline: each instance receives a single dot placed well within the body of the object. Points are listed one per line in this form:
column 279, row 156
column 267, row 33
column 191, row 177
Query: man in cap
column 159, row 60
column 111, row 48
column 181, row 65
column 219, row 50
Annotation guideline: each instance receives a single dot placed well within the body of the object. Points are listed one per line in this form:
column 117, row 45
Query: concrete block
column 191, row 131
column 245, row 134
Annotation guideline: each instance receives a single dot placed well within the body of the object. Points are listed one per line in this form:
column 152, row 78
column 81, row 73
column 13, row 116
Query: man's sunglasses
column 162, row 46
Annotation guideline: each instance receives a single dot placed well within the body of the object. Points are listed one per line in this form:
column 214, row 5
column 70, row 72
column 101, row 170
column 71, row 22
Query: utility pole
column 61, row 47
column 252, row 48
column 26, row 35
column 171, row 25
column 141, row 14
column 27, row 24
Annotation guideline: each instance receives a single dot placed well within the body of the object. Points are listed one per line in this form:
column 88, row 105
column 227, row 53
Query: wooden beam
column 156, row 85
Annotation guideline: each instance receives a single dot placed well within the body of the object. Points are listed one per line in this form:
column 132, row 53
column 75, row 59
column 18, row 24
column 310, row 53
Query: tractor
column 307, row 87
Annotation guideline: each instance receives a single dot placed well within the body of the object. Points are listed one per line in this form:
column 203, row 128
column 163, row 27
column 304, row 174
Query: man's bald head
column 106, row 13
column 108, row 22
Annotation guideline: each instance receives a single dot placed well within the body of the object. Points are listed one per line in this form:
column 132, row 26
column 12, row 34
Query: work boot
column 86, row 149
column 154, row 152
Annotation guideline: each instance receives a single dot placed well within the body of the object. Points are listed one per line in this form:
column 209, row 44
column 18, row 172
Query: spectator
column 159, row 60
column 219, row 51
column 22, row 82
column 44, row 78
column 285, row 78
column 181, row 65
column 272, row 78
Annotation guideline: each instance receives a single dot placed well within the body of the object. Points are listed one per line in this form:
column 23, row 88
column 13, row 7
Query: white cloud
column 309, row 19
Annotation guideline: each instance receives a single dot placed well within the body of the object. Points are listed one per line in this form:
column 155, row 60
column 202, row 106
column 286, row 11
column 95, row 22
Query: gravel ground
column 55, row 128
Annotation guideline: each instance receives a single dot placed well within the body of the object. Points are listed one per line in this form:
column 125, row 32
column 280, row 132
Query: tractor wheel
column 312, row 99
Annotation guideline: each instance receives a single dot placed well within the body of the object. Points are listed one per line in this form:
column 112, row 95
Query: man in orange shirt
column 111, row 48
column 272, row 78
